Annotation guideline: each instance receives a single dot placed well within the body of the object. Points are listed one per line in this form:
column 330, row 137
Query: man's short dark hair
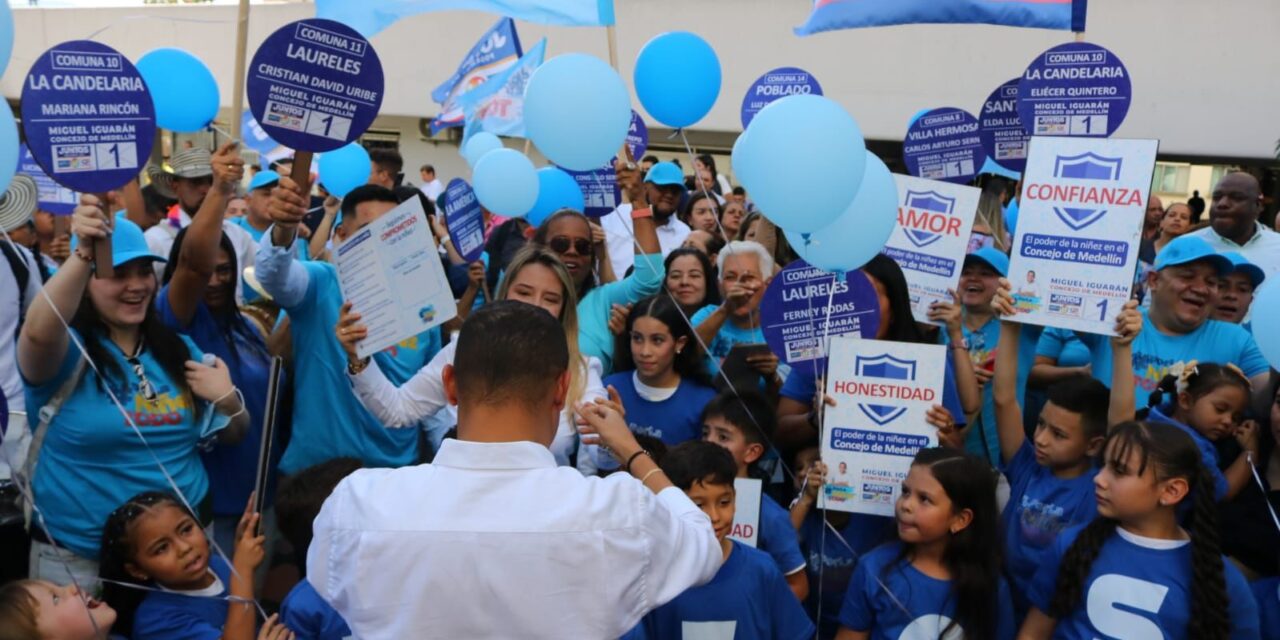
column 388, row 160
column 1086, row 396
column 509, row 352
column 650, row 158
column 750, row 411
column 428, row 168
column 301, row 495
column 365, row 193
column 405, row 193
column 698, row 461
column 739, row 191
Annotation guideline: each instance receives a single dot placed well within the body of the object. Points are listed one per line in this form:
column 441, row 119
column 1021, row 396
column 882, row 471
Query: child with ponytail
column 941, row 579
column 1135, row 572
column 1209, row 401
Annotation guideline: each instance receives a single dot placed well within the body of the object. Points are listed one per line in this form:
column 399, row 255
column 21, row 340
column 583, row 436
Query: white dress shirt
column 493, row 540
column 620, row 236
column 422, row 396
column 1263, row 249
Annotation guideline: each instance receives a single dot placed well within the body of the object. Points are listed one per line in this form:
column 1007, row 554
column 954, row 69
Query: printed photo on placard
column 1080, row 223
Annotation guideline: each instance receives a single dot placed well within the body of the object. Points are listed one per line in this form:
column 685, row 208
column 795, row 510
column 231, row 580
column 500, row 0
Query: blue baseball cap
column 1240, row 264
column 992, row 257
column 1187, row 249
column 264, row 179
column 665, row 174
column 127, row 243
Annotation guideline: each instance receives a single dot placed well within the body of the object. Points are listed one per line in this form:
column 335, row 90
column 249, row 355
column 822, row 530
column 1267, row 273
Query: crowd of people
column 560, row 460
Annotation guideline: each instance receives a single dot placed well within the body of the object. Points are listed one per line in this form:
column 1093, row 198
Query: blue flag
column 497, row 106
column 371, row 16
column 829, row 15
column 493, row 53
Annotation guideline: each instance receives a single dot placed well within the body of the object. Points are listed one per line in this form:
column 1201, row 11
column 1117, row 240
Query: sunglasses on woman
column 561, row 244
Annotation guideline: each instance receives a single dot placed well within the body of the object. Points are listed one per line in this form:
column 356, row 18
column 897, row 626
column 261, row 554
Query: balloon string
column 1261, row 485
column 75, row 340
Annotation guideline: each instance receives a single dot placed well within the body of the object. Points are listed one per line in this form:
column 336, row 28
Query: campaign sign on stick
column 51, row 196
column 1001, row 129
column 883, row 391
column 88, row 116
column 1074, row 89
column 775, row 85
column 932, row 236
column 1079, row 225
column 392, row 275
column 465, row 220
column 746, row 514
column 944, row 144
column 794, row 314
column 315, row 85
column 637, row 137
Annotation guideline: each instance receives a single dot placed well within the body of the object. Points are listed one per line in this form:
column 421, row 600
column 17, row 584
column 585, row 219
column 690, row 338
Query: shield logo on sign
column 931, row 201
column 1086, row 166
column 890, row 368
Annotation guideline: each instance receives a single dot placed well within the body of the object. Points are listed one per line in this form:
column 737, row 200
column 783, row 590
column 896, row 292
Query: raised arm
column 43, row 342
column 277, row 271
column 419, row 397
column 967, row 385
column 1128, row 325
column 1005, row 392
column 316, row 246
column 199, row 251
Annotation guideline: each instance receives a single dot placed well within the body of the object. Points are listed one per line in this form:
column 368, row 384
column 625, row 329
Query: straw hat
column 188, row 163
column 18, row 204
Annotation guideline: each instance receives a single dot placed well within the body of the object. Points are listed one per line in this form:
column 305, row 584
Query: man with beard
column 664, row 184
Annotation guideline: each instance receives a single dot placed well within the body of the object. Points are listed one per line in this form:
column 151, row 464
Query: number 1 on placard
column 115, row 153
column 1102, row 309
column 328, row 122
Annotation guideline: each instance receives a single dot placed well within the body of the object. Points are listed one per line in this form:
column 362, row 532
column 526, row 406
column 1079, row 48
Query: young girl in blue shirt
column 941, row 579
column 661, row 379
column 155, row 543
column 1136, row 571
column 1208, row 401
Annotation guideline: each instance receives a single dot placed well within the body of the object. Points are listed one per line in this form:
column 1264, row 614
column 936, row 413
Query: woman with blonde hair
column 534, row 276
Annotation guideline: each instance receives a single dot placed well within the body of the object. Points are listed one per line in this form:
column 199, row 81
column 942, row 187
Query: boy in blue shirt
column 1051, row 473
column 297, row 505
column 747, row 599
column 744, row 424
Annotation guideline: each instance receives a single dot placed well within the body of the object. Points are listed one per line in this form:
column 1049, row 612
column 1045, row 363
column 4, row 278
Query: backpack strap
column 47, row 413
column 21, row 274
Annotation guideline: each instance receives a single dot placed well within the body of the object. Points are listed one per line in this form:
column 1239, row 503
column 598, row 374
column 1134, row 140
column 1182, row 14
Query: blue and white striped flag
column 497, row 106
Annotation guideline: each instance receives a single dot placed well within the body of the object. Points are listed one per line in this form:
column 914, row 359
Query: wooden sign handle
column 102, row 258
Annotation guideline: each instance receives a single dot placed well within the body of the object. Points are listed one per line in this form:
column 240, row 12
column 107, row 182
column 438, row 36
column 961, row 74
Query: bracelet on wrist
column 357, row 367
column 627, row 467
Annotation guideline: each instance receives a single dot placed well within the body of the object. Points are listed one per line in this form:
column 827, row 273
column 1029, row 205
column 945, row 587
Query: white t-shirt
column 432, row 189
column 620, row 236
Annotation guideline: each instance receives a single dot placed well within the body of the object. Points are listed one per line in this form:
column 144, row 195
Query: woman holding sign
column 144, row 377
column 534, row 276
column 199, row 299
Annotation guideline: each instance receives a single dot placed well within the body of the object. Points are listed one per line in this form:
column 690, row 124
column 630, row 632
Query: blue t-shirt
column 402, row 360
column 1267, row 594
column 928, row 600
column 729, row 335
column 1154, row 352
column 92, row 461
column 674, row 420
column 232, row 468
column 1138, row 588
column 1064, row 346
column 328, row 419
column 1208, row 452
column 778, row 538
column 837, row 553
column 168, row 615
column 748, row 599
column 983, row 439
column 1040, row 507
column 801, row 385
column 309, row 617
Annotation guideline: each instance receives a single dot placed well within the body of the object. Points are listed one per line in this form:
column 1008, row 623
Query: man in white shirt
column 1234, row 208
column 188, row 182
column 665, row 185
column 492, row 539
column 431, row 186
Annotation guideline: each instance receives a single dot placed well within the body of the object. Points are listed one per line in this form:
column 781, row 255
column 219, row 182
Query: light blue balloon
column 344, row 169
column 1264, row 310
column 737, row 160
column 861, row 231
column 182, row 88
column 6, row 36
column 677, row 78
column 8, row 151
column 577, row 110
column 805, row 157
column 506, row 183
column 556, row 190
column 479, row 144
